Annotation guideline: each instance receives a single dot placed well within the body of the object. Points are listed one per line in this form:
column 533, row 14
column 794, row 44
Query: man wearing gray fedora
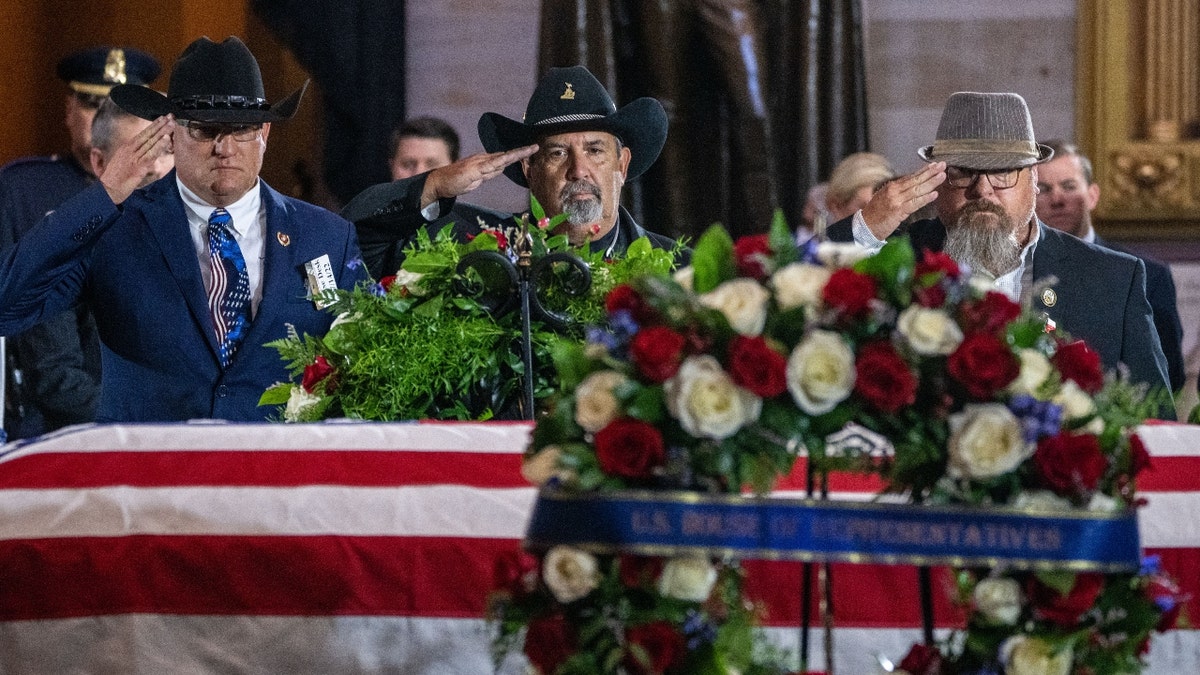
column 573, row 148
column 190, row 276
column 982, row 179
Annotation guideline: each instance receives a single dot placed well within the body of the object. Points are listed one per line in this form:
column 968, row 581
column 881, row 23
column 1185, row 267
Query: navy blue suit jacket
column 1100, row 296
column 137, row 267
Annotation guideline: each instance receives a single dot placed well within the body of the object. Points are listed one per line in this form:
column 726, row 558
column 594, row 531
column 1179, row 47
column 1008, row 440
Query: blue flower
column 1038, row 418
column 698, row 629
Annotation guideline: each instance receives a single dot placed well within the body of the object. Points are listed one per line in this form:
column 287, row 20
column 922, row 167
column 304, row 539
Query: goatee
column 581, row 212
column 981, row 242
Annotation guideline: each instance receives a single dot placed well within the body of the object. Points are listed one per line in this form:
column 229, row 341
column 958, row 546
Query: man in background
column 422, row 144
column 53, row 369
column 574, row 150
column 1067, row 195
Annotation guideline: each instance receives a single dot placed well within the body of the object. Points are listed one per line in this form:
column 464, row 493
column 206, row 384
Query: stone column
column 1172, row 92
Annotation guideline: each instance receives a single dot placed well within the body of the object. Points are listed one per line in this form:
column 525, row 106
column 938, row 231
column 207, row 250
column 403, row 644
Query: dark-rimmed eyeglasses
column 964, row 178
column 204, row 132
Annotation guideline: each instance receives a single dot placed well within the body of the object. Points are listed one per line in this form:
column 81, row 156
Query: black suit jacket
column 1160, row 291
column 388, row 217
column 1100, row 295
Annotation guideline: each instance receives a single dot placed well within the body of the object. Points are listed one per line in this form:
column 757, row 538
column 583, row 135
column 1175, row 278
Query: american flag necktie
column 229, row 286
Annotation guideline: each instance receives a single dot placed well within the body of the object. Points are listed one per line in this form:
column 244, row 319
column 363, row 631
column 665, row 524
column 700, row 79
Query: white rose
column 998, row 599
column 411, row 281
column 595, row 403
column 930, row 331
column 841, row 254
column 1103, row 503
column 570, row 574
column 299, row 401
column 985, row 441
column 1043, row 501
column 799, row 285
column 706, row 401
column 685, row 277
column 820, row 372
column 1024, row 655
column 743, row 302
column 540, row 468
column 1035, row 369
column 688, row 578
column 1076, row 405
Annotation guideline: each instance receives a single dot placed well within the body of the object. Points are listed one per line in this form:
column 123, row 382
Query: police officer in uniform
column 53, row 370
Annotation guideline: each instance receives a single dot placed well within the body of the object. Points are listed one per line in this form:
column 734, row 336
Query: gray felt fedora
column 984, row 132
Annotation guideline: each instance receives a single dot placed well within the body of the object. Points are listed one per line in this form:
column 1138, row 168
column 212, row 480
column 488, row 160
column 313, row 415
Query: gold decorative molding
column 1138, row 114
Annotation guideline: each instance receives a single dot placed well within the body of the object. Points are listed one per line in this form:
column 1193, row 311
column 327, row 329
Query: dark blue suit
column 1100, row 296
column 137, row 267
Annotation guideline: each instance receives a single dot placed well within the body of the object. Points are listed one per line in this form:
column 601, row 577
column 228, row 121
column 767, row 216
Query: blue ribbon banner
column 673, row 523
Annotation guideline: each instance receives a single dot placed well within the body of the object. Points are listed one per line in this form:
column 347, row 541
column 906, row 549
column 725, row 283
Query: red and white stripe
column 364, row 548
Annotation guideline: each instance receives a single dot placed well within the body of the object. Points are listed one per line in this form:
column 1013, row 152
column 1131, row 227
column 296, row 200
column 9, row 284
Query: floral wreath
column 717, row 379
column 427, row 343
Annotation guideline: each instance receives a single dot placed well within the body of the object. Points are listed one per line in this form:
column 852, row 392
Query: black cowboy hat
column 211, row 82
column 572, row 99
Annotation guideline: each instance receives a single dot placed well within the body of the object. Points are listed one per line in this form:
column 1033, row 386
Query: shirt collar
column 240, row 211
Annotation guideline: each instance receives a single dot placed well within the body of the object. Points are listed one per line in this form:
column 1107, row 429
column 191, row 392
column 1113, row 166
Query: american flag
column 368, row 548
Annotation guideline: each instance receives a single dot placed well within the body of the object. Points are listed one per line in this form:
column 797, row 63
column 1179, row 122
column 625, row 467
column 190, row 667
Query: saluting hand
column 128, row 164
column 469, row 173
column 900, row 198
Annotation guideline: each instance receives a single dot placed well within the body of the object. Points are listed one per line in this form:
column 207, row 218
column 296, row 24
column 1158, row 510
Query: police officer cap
column 93, row 72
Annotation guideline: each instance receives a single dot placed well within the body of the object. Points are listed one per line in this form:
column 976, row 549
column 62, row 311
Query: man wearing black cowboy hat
column 576, row 150
column 190, row 276
column 53, row 368
column 982, row 178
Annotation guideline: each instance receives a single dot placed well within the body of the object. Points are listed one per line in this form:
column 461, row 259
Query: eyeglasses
column 203, row 132
column 964, row 178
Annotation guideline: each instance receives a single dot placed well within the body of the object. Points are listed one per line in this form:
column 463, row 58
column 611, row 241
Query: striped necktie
column 229, row 286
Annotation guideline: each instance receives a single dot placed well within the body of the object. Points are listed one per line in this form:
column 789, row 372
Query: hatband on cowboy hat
column 211, row 82
column 986, row 132
column 572, row 99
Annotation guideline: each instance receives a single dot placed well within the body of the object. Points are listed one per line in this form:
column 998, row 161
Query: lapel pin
column 1051, row 326
column 283, row 238
column 1049, row 297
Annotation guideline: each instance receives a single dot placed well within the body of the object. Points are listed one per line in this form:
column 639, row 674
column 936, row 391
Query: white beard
column 974, row 240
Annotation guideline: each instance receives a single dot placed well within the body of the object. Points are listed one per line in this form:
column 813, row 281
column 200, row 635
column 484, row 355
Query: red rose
column 931, row 296
column 1078, row 363
column 657, row 352
column 1070, row 463
column 937, row 263
column 883, row 379
column 922, row 660
column 756, row 367
column 1139, row 456
column 549, row 642
column 849, row 293
column 386, row 282
column 623, row 297
column 315, row 372
column 1065, row 610
column 990, row 314
column 639, row 571
column 661, row 648
column 629, row 448
column 752, row 253
column 516, row 572
column 984, row 365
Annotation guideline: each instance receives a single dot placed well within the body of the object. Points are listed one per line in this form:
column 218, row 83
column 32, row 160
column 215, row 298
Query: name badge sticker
column 321, row 281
